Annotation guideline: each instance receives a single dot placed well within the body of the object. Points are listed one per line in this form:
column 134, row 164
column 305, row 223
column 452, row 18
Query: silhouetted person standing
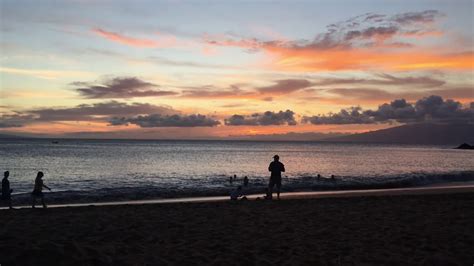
column 246, row 181
column 38, row 190
column 6, row 191
column 275, row 167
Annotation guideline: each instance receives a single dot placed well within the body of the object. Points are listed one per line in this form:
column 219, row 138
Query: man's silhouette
column 275, row 167
column 6, row 191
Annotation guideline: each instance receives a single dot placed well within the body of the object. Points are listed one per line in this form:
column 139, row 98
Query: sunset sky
column 203, row 69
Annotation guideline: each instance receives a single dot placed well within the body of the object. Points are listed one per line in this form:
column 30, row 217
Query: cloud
column 366, row 42
column 119, row 38
column 384, row 79
column 212, row 92
column 360, row 94
column 352, row 115
column 326, row 92
column 422, row 81
column 398, row 110
column 285, row 86
column 84, row 112
column 427, row 16
column 14, row 120
column 267, row 118
column 304, row 60
column 120, row 87
column 373, row 95
column 365, row 30
column 157, row 60
column 97, row 111
column 252, row 44
column 432, row 108
column 43, row 73
column 113, row 112
column 379, row 34
column 159, row 120
column 266, row 93
column 374, row 30
column 176, row 63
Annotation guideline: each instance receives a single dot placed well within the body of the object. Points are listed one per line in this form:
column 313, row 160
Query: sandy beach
column 402, row 229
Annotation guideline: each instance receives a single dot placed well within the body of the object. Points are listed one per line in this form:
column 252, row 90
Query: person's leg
column 42, row 201
column 270, row 188
column 278, row 185
column 10, row 199
column 33, row 198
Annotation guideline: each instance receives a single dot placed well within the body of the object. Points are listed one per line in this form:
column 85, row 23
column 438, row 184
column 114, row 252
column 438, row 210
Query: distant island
column 423, row 133
column 465, row 146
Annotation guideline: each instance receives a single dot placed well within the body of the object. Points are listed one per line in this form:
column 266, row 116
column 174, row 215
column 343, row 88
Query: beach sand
column 364, row 230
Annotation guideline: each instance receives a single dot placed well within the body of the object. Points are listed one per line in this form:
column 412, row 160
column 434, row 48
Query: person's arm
column 282, row 167
column 270, row 167
column 46, row 187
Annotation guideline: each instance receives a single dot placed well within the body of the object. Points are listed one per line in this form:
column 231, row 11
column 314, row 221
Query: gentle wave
column 221, row 186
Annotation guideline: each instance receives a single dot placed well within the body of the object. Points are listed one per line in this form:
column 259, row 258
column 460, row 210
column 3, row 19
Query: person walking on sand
column 6, row 191
column 38, row 190
column 275, row 167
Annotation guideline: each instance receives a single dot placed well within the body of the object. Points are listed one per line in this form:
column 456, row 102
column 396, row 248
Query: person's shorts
column 275, row 180
column 37, row 194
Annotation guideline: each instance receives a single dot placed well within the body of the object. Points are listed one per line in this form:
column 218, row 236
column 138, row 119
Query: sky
column 214, row 69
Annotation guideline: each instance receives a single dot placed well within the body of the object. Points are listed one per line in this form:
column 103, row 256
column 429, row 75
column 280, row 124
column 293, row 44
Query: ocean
column 110, row 170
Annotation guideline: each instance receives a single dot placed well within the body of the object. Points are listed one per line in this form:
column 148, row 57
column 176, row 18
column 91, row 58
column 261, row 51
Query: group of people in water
column 36, row 194
column 275, row 168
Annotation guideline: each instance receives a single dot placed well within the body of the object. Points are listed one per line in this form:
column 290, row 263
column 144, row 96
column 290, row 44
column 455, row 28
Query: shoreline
column 448, row 188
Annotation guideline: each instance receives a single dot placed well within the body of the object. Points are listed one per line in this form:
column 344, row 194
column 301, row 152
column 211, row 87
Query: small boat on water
column 55, row 142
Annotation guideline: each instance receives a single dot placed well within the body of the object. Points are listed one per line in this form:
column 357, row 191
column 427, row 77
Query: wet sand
column 459, row 187
column 431, row 229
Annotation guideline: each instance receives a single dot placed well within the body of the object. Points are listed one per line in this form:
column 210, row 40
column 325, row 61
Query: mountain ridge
column 423, row 133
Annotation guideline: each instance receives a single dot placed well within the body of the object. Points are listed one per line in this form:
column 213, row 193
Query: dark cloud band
column 158, row 120
column 433, row 108
column 120, row 87
column 262, row 119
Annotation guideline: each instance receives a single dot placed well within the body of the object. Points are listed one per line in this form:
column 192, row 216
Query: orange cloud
column 289, row 59
column 381, row 55
column 366, row 42
column 116, row 37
